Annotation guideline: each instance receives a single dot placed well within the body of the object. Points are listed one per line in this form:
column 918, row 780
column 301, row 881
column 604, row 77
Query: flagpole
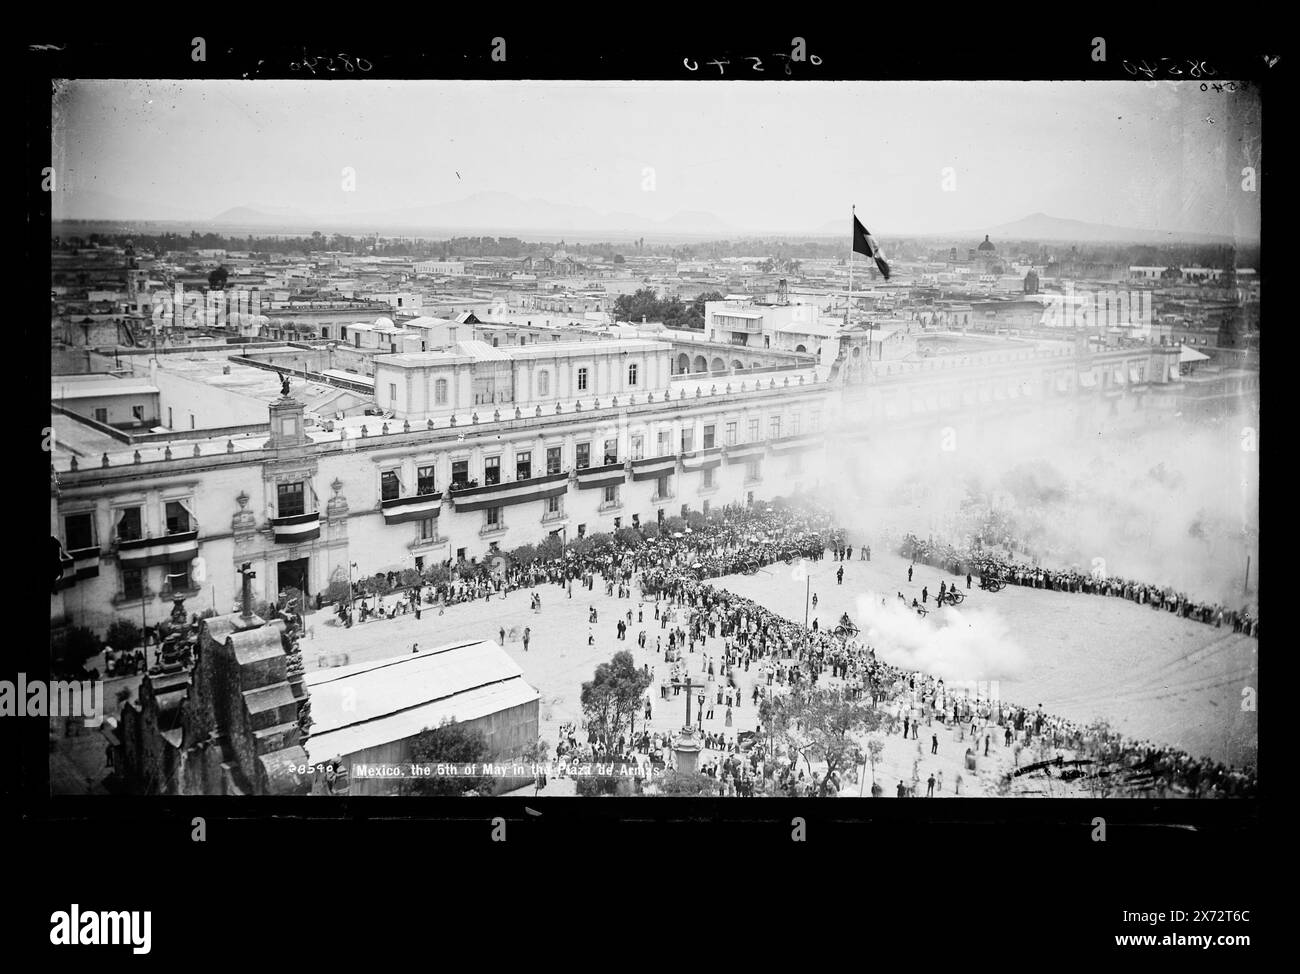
column 849, row 304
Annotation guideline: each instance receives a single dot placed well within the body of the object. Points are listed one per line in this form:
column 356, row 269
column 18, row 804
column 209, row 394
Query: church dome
column 987, row 245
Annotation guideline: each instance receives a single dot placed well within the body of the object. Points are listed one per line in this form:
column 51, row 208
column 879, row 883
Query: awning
column 296, row 528
column 1189, row 354
column 703, row 459
column 158, row 551
column 653, row 468
column 1087, row 380
column 606, row 476
column 419, row 507
column 513, row 492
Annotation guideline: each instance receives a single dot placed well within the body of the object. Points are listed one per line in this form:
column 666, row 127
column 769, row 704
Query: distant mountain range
column 498, row 213
column 1040, row 226
column 504, row 214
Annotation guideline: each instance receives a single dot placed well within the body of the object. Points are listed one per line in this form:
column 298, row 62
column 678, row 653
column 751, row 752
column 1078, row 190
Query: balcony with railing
column 147, row 552
column 607, row 476
column 417, row 507
column 511, row 492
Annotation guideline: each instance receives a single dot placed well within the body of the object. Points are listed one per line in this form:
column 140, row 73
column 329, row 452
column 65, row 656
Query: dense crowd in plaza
column 668, row 570
column 975, row 561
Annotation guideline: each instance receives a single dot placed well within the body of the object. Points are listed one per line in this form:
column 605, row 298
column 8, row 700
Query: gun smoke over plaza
column 915, row 458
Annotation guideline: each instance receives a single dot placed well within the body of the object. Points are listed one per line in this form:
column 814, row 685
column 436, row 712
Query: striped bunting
column 515, row 492
column 296, row 528
column 653, row 468
column 606, row 476
column 418, row 507
column 158, row 551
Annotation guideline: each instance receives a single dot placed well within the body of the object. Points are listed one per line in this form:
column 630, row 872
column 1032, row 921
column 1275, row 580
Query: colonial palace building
column 479, row 448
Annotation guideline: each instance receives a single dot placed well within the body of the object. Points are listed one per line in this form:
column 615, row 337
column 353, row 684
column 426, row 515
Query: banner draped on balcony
column 158, row 551
column 418, row 507
column 296, row 528
column 78, row 565
column 739, row 454
column 703, row 459
column 514, row 492
column 653, row 468
column 796, row 444
column 606, row 476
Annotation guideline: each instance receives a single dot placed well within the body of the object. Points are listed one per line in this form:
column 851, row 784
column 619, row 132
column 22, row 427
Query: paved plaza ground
column 1150, row 673
column 1153, row 675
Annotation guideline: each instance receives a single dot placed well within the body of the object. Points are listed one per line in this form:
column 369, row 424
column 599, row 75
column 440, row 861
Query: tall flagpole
column 851, row 233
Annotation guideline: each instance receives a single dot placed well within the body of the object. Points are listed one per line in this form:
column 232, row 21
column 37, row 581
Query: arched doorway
column 800, row 348
column 701, row 364
column 718, row 365
column 737, row 365
column 683, row 363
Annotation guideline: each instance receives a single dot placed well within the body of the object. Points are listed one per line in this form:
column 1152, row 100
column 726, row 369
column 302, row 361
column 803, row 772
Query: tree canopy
column 612, row 697
column 449, row 742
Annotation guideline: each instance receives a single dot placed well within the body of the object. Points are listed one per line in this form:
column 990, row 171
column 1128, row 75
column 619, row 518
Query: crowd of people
column 669, row 570
column 974, row 561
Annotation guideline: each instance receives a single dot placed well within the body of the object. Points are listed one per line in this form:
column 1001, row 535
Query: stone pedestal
column 687, row 747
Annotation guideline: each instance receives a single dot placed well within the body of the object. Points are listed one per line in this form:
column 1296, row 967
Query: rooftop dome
column 383, row 322
column 986, row 245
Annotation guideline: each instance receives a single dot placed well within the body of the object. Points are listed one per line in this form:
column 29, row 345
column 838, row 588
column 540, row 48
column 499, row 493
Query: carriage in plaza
column 991, row 584
column 846, row 628
column 952, row 596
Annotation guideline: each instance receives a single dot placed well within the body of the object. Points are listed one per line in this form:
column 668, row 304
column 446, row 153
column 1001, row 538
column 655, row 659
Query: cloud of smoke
column 950, row 643
column 1171, row 504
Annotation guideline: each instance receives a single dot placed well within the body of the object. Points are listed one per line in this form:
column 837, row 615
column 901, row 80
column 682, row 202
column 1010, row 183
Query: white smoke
column 950, row 643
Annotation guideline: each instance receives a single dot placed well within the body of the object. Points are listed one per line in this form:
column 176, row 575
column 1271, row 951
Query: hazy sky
column 761, row 156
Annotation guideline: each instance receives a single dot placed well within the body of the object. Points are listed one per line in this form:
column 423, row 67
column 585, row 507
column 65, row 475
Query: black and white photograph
column 737, row 435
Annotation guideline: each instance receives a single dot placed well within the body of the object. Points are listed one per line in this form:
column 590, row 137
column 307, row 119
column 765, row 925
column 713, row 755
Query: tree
column 823, row 725
column 74, row 647
column 217, row 279
column 123, row 635
column 437, row 574
column 550, row 547
column 688, row 784
column 611, row 699
column 875, row 749
column 338, row 589
column 522, row 555
column 628, row 536
column 451, row 742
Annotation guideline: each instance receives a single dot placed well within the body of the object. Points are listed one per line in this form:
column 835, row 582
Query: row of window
column 440, row 387
column 391, row 485
column 79, row 529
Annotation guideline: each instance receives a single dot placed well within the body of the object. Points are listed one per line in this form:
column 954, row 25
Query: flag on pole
column 865, row 244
